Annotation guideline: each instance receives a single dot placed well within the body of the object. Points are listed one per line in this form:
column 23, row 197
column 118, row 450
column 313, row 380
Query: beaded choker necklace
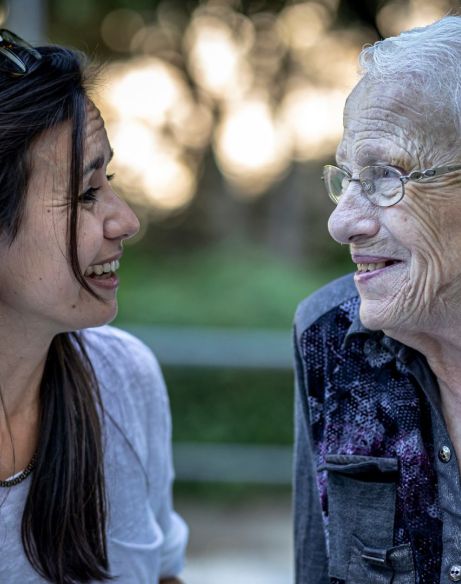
column 22, row 475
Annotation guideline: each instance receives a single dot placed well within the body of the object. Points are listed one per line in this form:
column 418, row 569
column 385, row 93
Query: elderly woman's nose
column 353, row 219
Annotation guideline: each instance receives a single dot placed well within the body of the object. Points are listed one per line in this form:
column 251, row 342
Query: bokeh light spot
column 251, row 146
column 119, row 27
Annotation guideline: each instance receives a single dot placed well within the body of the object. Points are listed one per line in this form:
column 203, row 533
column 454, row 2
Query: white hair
column 427, row 58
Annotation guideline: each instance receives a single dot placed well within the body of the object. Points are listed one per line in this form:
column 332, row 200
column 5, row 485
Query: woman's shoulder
column 123, row 362
column 118, row 349
column 109, row 338
column 131, row 383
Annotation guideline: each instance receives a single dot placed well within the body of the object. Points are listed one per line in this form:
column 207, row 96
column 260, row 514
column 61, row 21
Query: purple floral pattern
column 364, row 401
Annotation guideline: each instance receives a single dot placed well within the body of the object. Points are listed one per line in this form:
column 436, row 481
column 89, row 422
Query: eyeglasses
column 9, row 43
column 383, row 186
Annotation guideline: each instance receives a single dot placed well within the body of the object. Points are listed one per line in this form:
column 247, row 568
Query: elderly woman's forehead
column 394, row 97
column 390, row 121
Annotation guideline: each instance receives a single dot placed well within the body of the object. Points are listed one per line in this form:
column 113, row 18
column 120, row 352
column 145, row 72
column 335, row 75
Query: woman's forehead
column 390, row 122
column 51, row 152
column 51, row 147
column 94, row 121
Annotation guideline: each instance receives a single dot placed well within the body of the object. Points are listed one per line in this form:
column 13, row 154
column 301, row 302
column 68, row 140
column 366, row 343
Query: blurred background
column 221, row 114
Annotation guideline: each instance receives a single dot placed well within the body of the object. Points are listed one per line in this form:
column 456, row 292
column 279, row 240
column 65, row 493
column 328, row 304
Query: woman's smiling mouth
column 371, row 266
column 101, row 269
column 103, row 275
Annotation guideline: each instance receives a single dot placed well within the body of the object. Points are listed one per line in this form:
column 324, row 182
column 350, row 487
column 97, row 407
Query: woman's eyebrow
column 97, row 163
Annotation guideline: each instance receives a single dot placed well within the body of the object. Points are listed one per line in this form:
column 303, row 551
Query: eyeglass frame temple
column 428, row 173
column 416, row 175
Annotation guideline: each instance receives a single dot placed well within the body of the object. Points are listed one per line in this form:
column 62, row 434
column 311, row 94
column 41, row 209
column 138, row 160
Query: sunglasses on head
column 9, row 45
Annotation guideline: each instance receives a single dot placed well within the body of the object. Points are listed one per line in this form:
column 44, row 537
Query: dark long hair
column 64, row 519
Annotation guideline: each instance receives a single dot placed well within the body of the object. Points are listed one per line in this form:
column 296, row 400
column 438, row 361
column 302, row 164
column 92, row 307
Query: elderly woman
column 378, row 354
column 85, row 466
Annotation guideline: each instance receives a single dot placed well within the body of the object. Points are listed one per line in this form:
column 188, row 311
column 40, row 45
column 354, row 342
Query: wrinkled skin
column 422, row 294
column 417, row 301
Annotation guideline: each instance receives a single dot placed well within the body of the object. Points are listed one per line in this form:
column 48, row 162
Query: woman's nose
column 122, row 222
column 354, row 218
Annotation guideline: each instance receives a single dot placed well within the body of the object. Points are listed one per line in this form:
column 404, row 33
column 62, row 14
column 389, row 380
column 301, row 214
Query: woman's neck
column 21, row 370
column 22, row 362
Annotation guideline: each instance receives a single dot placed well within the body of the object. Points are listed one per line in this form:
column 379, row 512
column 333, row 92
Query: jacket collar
column 396, row 348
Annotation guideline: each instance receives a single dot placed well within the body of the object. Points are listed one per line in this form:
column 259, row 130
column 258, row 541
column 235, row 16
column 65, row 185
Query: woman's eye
column 89, row 196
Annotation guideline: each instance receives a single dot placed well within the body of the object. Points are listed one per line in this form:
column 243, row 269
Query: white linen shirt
column 146, row 538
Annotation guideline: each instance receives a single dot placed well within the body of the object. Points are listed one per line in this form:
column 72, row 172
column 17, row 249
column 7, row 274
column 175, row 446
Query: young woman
column 85, row 465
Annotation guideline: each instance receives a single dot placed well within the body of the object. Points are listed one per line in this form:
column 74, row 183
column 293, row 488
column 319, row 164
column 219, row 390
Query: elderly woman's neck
column 443, row 354
column 442, row 350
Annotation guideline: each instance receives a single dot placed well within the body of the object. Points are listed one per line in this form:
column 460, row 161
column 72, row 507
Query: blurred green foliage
column 238, row 405
column 229, row 493
column 230, row 286
column 225, row 286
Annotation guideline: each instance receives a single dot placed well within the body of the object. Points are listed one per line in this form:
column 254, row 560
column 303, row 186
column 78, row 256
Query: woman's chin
column 105, row 315
column 108, row 318
column 374, row 316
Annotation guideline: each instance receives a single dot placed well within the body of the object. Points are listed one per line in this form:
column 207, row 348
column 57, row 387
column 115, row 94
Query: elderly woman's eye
column 391, row 171
column 398, row 168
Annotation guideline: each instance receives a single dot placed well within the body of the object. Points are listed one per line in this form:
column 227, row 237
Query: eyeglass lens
column 380, row 184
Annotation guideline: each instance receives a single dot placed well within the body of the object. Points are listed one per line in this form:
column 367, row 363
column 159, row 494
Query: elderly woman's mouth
column 363, row 267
